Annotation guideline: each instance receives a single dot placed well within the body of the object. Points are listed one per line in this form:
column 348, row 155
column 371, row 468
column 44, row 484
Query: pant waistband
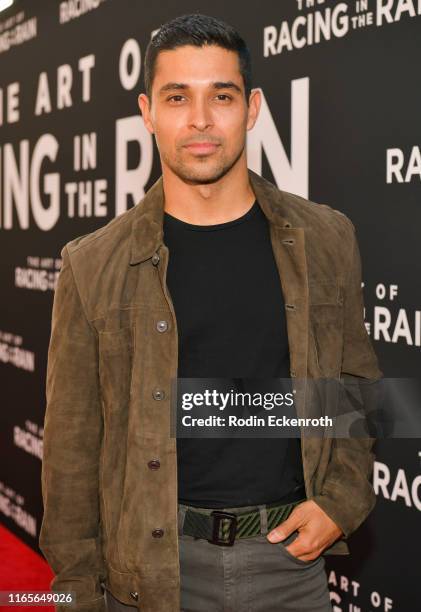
column 269, row 514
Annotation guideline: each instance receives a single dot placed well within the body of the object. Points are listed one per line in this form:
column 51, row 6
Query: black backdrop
column 339, row 125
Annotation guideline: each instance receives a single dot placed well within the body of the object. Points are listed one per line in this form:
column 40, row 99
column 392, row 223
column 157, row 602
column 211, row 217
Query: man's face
column 198, row 111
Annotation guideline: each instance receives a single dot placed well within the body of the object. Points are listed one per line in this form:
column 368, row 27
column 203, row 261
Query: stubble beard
column 203, row 171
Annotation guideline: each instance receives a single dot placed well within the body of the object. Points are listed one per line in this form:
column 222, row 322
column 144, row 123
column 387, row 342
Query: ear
column 255, row 101
column 145, row 111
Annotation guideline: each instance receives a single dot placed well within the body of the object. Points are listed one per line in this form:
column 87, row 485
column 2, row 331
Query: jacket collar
column 147, row 228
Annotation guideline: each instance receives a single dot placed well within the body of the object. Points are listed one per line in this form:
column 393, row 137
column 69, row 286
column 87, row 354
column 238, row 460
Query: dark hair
column 198, row 30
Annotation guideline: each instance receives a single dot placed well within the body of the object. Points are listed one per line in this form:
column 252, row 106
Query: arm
column 348, row 496
column 69, row 536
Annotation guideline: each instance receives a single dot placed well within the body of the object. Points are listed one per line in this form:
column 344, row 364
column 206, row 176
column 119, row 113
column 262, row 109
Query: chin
column 201, row 176
column 203, row 179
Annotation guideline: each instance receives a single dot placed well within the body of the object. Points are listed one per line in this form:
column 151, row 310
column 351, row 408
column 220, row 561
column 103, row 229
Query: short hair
column 197, row 30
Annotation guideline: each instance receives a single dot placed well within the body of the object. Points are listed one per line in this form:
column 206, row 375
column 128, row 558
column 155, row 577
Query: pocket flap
column 117, row 340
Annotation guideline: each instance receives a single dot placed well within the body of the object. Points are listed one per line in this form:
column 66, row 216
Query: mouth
column 202, row 147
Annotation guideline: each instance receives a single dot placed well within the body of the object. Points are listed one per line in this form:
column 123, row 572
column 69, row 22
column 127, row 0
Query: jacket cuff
column 347, row 511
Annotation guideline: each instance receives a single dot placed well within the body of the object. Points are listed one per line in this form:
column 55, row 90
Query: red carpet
column 21, row 569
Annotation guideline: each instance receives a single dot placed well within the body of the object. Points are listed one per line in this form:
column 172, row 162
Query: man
column 216, row 273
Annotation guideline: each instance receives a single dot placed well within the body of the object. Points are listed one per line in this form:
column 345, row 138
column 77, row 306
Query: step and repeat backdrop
column 340, row 124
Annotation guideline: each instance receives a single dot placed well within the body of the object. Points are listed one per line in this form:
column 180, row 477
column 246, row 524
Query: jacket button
column 154, row 464
column 134, row 595
column 293, row 374
column 162, row 326
column 158, row 394
column 155, row 259
column 158, row 533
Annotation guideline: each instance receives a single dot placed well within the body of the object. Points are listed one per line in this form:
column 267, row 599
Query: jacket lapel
column 147, row 226
column 289, row 249
column 288, row 244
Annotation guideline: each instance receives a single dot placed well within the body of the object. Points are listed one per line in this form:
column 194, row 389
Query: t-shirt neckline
column 217, row 226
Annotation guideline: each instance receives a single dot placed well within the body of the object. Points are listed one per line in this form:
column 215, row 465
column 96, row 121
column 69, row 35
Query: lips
column 202, row 147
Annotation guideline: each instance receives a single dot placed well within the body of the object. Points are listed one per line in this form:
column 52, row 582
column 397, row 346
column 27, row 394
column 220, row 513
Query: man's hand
column 316, row 530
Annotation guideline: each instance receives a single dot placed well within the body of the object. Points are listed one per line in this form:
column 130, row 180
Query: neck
column 228, row 198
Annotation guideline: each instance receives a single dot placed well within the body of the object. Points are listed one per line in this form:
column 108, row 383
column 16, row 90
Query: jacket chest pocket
column 116, row 349
column 326, row 325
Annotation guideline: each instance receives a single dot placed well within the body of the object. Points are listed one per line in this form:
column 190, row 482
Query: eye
column 224, row 97
column 173, row 98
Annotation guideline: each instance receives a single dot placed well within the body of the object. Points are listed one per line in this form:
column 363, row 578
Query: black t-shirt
column 228, row 301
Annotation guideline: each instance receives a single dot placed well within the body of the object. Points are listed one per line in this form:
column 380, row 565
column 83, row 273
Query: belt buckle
column 218, row 516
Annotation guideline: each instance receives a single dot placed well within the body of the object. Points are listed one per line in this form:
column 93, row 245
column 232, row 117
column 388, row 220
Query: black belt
column 223, row 528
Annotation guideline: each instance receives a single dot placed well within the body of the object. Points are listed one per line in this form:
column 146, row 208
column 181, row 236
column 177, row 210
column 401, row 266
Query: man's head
column 199, row 102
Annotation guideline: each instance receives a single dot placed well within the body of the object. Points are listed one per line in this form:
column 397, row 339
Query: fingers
column 315, row 529
column 284, row 529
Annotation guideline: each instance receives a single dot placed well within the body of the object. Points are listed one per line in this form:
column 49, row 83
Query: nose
column 200, row 114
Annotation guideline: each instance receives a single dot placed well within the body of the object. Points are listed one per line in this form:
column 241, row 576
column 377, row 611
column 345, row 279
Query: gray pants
column 253, row 575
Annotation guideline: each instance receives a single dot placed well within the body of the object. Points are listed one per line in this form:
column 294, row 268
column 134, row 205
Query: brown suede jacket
column 112, row 355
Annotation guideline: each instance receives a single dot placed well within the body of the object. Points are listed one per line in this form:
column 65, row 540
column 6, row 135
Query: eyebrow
column 215, row 85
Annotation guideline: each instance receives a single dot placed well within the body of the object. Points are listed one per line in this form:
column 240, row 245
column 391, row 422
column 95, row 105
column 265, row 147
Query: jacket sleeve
column 347, row 495
column 69, row 535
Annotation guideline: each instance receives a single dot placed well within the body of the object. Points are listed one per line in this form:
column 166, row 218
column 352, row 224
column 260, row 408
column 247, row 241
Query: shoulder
column 316, row 215
column 97, row 260
column 329, row 235
column 111, row 233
